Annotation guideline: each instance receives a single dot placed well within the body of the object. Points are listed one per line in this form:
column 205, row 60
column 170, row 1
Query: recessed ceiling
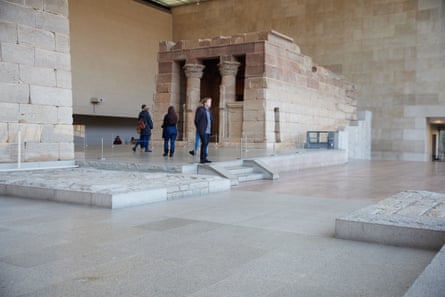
column 173, row 3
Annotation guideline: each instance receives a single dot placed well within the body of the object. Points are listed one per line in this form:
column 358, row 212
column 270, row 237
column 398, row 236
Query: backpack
column 140, row 126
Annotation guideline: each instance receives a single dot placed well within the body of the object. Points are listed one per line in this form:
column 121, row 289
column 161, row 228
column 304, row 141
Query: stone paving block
column 410, row 218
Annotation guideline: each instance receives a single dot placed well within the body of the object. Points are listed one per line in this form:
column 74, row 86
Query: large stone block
column 9, row 112
column 46, row 58
column 15, row 53
column 12, row 132
column 30, row 133
column 51, row 96
column 63, row 79
column 8, row 32
column 65, row 115
column 14, row 93
column 16, row 14
column 38, row 114
column 8, row 152
column 52, row 23
column 3, row 132
column 66, row 151
column 36, row 4
column 62, row 43
column 9, row 72
column 38, row 76
column 41, row 152
column 36, row 37
column 56, row 6
column 57, row 133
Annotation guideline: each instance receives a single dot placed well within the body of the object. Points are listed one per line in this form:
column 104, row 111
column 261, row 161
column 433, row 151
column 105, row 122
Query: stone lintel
column 218, row 41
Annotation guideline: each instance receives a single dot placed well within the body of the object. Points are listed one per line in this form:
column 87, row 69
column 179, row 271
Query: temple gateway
column 264, row 92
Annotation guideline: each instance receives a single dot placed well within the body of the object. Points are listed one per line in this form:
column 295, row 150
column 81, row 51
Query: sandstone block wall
column 302, row 96
column 35, row 81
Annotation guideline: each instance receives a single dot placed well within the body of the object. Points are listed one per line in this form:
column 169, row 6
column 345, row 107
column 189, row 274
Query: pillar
column 193, row 73
column 228, row 70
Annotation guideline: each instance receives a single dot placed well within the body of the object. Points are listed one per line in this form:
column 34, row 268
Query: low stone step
column 250, row 177
column 240, row 170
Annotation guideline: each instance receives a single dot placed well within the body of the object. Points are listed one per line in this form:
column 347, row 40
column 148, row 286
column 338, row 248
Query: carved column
column 228, row 70
column 193, row 73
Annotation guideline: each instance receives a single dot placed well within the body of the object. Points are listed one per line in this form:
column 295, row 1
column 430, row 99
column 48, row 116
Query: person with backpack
column 145, row 125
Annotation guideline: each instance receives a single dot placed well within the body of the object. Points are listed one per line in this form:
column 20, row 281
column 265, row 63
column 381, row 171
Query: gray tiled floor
column 268, row 238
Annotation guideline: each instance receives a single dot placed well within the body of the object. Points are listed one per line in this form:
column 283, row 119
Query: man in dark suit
column 203, row 123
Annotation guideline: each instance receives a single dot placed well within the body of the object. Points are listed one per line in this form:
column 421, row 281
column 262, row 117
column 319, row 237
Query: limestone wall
column 393, row 51
column 35, row 81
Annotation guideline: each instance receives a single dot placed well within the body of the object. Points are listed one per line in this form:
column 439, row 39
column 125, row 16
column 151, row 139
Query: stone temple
column 265, row 92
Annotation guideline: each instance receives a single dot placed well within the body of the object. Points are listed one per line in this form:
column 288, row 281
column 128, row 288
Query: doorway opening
column 210, row 84
column 181, row 109
column 240, row 77
column 437, row 132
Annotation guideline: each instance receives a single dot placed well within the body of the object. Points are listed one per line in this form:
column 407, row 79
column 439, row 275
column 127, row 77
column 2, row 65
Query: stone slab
column 106, row 188
column 431, row 283
column 37, row 165
column 410, row 219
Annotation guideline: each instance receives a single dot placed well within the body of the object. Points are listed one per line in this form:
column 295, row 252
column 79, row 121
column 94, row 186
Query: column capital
column 228, row 68
column 193, row 70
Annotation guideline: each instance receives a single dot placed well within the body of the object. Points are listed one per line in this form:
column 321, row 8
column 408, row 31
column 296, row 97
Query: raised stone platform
column 411, row 219
column 431, row 283
column 107, row 188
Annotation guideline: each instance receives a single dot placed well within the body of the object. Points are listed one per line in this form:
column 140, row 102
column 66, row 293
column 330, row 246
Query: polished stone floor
column 265, row 238
column 374, row 180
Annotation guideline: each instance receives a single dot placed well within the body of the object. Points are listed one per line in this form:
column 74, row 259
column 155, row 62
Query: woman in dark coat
column 170, row 131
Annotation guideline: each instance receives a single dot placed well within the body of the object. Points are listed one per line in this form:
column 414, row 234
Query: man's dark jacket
column 148, row 122
column 201, row 120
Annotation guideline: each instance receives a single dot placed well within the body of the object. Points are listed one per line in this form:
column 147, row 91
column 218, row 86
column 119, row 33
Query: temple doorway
column 181, row 111
column 210, row 84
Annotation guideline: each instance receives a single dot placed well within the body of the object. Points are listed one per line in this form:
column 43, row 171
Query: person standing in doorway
column 169, row 131
column 203, row 123
column 144, row 138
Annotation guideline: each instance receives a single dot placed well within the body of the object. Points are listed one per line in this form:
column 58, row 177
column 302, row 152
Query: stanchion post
column 102, row 149
column 19, row 149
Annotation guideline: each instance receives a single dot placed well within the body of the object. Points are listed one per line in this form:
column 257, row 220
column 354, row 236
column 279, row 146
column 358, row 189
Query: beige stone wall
column 393, row 51
column 35, row 81
column 114, row 46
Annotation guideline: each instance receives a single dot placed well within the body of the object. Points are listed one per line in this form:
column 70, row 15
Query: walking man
column 144, row 139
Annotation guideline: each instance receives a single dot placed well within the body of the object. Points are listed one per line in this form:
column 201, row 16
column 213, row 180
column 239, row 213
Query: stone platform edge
column 404, row 236
column 431, row 282
column 104, row 200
